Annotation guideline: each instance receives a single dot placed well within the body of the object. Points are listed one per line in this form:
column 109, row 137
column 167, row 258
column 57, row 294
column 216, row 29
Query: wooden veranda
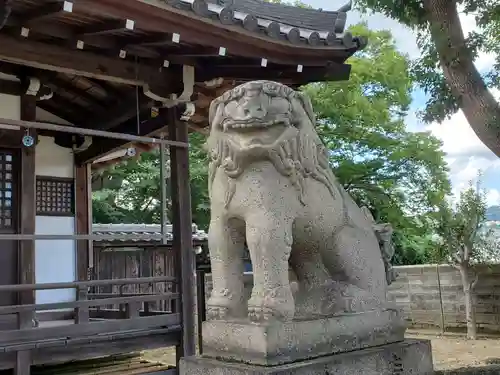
column 83, row 79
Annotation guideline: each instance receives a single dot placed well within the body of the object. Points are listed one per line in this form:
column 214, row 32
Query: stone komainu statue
column 270, row 184
column 384, row 232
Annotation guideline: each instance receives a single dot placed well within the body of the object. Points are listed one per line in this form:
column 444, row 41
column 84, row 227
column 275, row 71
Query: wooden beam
column 103, row 28
column 40, row 12
column 68, row 34
column 70, row 111
column 106, row 87
column 126, row 111
column 104, row 146
column 57, row 110
column 55, row 83
column 26, row 261
column 50, row 57
column 283, row 74
column 182, row 230
column 11, row 87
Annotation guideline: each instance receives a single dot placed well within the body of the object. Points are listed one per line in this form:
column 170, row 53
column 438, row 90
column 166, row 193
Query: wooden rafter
column 71, row 37
column 194, row 30
column 56, row 83
column 43, row 11
column 103, row 28
column 59, row 59
column 10, row 87
column 284, row 74
column 56, row 107
column 126, row 111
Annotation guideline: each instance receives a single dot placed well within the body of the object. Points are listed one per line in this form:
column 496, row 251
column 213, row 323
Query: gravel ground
column 449, row 352
column 454, row 351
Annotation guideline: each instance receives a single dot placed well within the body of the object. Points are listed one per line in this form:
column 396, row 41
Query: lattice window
column 6, row 189
column 54, row 196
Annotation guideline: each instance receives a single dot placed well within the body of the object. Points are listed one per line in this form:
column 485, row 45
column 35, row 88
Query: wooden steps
column 131, row 364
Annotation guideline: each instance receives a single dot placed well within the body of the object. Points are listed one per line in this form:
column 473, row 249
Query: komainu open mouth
column 252, row 124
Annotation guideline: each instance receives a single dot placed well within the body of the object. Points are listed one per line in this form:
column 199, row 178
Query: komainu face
column 258, row 113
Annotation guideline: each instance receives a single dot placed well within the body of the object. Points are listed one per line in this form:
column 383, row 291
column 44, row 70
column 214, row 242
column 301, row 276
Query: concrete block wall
column 432, row 295
column 429, row 301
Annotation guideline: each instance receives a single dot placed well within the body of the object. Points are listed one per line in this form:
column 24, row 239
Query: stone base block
column 409, row 357
column 280, row 343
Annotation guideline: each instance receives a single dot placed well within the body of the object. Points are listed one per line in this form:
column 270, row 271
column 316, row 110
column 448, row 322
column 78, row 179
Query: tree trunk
column 470, row 313
column 476, row 101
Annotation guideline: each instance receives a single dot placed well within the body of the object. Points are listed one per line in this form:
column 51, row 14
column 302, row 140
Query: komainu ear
column 366, row 211
column 212, row 111
column 308, row 108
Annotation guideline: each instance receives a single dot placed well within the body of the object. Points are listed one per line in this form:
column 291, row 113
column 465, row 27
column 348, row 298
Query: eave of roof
column 280, row 37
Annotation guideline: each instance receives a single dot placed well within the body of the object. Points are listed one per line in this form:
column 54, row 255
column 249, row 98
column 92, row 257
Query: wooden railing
column 84, row 329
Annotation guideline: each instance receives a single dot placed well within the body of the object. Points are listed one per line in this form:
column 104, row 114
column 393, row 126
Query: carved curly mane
column 297, row 154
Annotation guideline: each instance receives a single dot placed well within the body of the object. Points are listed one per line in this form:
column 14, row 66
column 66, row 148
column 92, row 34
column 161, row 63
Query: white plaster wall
column 10, row 107
column 53, row 160
column 55, row 260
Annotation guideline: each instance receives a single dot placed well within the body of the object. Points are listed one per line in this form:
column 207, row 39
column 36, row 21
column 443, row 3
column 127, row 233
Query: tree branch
column 473, row 283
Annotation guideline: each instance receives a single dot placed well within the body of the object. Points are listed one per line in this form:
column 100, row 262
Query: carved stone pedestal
column 285, row 342
column 404, row 358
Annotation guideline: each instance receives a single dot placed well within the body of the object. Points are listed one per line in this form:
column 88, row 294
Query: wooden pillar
column 201, row 306
column 83, row 224
column 83, row 215
column 182, row 230
column 26, row 258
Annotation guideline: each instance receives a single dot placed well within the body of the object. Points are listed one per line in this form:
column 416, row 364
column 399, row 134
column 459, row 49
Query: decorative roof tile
column 153, row 230
column 298, row 26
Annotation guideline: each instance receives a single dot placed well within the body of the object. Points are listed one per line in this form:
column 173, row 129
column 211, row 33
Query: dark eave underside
column 97, row 57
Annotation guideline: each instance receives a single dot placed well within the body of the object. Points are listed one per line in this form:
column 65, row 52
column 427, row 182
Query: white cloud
column 493, row 197
column 484, row 61
column 466, row 154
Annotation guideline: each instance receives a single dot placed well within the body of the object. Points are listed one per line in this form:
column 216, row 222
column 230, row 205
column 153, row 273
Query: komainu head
column 260, row 113
column 263, row 121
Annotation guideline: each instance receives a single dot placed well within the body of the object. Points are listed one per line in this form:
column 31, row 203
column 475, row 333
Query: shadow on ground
column 490, row 369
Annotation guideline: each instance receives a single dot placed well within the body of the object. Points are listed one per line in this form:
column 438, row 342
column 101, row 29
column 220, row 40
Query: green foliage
column 129, row 192
column 198, row 160
column 465, row 241
column 426, row 69
column 401, row 176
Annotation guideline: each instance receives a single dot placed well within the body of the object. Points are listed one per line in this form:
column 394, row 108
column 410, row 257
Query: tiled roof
column 141, row 230
column 299, row 26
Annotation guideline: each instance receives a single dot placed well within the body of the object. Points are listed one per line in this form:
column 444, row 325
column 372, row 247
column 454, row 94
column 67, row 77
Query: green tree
column 128, row 192
column 464, row 244
column 446, row 69
column 401, row 176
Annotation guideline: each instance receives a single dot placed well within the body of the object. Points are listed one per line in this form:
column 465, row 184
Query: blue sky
column 466, row 154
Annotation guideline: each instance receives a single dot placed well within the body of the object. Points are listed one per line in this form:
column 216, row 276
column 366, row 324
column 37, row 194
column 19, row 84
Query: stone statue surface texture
column 319, row 261
column 271, row 186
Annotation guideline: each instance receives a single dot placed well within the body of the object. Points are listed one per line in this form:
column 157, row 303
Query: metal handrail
column 135, row 236
column 13, row 309
column 85, row 284
column 90, row 132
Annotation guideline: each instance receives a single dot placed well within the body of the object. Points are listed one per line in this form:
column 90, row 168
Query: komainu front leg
column 269, row 240
column 226, row 240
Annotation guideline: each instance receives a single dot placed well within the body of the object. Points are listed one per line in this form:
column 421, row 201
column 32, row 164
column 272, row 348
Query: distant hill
column 493, row 213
